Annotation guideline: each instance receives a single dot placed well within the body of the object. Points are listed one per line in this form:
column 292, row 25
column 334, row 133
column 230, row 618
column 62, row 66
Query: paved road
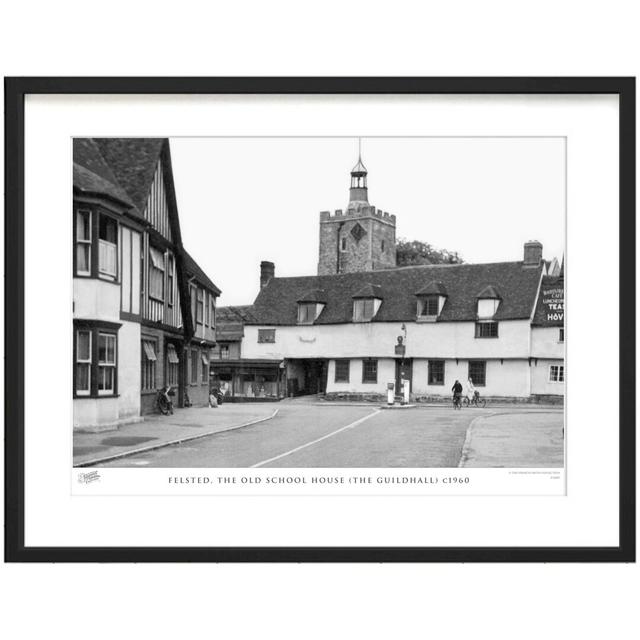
column 305, row 435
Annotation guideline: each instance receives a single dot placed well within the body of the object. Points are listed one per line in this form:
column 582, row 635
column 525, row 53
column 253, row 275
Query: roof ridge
column 405, row 267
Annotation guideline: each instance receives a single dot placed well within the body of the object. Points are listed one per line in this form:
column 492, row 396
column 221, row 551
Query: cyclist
column 457, row 392
column 471, row 391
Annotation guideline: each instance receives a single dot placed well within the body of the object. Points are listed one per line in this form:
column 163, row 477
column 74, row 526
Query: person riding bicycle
column 472, row 392
column 457, row 390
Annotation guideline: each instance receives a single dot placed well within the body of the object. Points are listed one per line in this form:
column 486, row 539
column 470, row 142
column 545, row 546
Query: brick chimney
column 267, row 271
column 532, row 253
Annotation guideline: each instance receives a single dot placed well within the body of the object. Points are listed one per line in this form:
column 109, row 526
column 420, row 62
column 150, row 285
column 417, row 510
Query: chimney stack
column 532, row 253
column 267, row 271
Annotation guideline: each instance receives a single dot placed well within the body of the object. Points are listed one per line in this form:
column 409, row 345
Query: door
column 404, row 371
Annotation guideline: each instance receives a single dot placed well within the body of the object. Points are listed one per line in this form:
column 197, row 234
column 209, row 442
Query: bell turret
column 358, row 192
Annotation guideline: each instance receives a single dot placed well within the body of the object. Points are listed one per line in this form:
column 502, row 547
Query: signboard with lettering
column 550, row 310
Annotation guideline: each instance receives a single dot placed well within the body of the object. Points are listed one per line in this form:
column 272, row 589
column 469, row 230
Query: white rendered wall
column 94, row 412
column 545, row 342
column 378, row 339
column 95, row 299
column 507, row 378
column 386, row 373
column 129, row 356
column 540, row 378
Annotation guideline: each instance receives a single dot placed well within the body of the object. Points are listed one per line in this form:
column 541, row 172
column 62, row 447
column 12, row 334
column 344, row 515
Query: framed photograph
column 320, row 319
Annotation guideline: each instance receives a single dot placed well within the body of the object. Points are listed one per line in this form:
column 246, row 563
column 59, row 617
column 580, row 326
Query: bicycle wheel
column 482, row 403
column 465, row 401
column 163, row 406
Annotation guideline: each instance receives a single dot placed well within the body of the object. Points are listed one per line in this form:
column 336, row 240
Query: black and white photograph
column 358, row 315
column 365, row 302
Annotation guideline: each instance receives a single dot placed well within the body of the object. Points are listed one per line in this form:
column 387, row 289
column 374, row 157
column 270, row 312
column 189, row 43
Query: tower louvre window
column 358, row 232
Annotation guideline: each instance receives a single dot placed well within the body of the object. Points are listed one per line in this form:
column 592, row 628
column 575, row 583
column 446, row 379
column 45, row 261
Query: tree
column 410, row 252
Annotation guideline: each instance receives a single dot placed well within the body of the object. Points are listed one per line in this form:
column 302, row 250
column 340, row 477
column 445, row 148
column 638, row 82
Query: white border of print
column 56, row 518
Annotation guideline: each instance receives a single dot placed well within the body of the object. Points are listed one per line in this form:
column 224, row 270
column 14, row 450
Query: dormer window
column 363, row 310
column 366, row 303
column 488, row 303
column 310, row 306
column 431, row 299
column 308, row 312
column 428, row 306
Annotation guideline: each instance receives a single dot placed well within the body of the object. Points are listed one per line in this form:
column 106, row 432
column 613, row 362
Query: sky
column 243, row 200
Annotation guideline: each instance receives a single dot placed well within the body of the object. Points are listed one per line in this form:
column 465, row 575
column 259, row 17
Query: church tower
column 361, row 238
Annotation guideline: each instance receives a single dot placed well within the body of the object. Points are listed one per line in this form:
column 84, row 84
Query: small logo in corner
column 88, row 477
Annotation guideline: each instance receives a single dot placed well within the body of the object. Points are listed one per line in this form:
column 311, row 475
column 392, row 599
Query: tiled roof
column 276, row 303
column 550, row 307
column 133, row 162
column 87, row 182
column 242, row 312
column 230, row 322
column 368, row 291
column 432, row 288
column 194, row 269
column 91, row 174
column 489, row 292
column 315, row 295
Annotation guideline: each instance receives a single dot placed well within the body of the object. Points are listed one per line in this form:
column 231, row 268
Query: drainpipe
column 338, row 248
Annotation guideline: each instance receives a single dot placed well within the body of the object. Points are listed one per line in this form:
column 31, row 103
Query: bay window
column 95, row 358
column 83, row 243
column 83, row 362
column 106, row 363
column 108, row 247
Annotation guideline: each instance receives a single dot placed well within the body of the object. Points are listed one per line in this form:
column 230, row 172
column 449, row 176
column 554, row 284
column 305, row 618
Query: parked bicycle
column 476, row 401
column 164, row 402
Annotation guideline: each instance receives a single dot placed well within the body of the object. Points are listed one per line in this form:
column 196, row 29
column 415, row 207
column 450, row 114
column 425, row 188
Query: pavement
column 160, row 431
column 534, row 439
column 304, row 435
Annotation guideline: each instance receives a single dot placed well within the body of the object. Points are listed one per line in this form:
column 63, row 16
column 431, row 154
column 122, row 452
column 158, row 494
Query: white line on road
column 308, row 444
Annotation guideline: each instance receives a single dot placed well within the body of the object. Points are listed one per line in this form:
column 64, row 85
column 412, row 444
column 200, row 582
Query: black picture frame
column 15, row 91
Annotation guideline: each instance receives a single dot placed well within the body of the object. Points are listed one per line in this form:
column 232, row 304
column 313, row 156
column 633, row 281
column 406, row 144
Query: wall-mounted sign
column 552, row 303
